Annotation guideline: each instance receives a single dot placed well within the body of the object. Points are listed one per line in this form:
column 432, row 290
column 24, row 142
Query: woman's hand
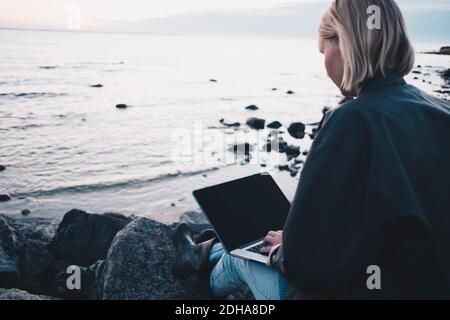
column 272, row 239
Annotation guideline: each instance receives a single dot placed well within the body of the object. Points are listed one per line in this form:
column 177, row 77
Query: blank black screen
column 244, row 210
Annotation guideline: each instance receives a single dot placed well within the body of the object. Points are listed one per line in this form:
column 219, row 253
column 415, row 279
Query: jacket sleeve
column 327, row 238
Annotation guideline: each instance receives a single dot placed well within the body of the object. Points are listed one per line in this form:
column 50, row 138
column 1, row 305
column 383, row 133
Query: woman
column 374, row 194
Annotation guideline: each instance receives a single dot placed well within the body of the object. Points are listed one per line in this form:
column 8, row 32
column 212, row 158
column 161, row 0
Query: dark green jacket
column 375, row 190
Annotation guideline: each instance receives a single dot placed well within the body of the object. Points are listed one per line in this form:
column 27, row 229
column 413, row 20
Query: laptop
column 243, row 211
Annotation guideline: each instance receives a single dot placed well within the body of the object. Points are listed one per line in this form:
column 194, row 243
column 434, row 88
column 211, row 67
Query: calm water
column 65, row 144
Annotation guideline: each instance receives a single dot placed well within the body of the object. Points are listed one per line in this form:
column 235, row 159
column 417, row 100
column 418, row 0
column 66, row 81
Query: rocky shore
column 117, row 258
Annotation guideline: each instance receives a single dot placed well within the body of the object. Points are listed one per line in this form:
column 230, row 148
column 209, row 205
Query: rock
column 241, row 149
column 121, row 106
column 252, row 108
column 97, row 86
column 2, row 168
column 213, row 80
column 25, row 212
column 36, row 267
column 138, row 266
column 286, row 168
column 194, row 218
column 443, row 91
column 92, row 279
column 8, row 270
column 305, row 153
column 5, row 197
column 446, row 74
column 297, row 130
column 417, row 72
column 292, row 151
column 274, row 89
column 235, row 124
column 83, row 238
column 11, row 240
column 290, row 92
column 274, row 125
column 41, row 229
column 256, row 123
column 445, row 50
column 16, row 294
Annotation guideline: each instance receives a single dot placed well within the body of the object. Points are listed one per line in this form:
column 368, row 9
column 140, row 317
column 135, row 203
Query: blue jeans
column 230, row 273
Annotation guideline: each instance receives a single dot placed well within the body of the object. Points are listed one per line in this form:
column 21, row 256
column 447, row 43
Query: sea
column 65, row 144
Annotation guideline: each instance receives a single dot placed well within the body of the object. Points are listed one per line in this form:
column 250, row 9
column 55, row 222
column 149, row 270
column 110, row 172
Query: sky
column 428, row 20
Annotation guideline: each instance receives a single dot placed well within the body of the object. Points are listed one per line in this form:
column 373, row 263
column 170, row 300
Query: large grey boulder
column 11, row 242
column 138, row 266
column 8, row 270
column 83, row 238
column 16, row 294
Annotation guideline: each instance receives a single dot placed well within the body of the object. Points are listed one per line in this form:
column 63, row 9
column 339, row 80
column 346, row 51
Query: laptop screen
column 244, row 210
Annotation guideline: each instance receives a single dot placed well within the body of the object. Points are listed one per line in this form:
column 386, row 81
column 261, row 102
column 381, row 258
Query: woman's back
column 375, row 190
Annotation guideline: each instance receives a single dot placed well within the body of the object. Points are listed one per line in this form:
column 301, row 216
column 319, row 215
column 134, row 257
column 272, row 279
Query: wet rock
column 256, row 123
column 97, row 85
column 41, row 229
column 445, row 50
column 16, row 294
column 121, row 106
column 2, row 168
column 446, row 74
column 287, row 168
column 5, row 197
column 25, row 212
column 83, row 238
column 194, row 218
column 297, row 130
column 8, row 270
column 252, row 108
column 292, row 151
column 290, row 92
column 274, row 125
column 232, row 124
column 11, row 243
column 36, row 267
column 138, row 266
column 11, row 240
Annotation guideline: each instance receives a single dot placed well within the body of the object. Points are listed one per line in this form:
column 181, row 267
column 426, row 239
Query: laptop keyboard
column 257, row 249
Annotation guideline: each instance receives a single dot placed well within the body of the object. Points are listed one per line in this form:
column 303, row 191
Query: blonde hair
column 367, row 51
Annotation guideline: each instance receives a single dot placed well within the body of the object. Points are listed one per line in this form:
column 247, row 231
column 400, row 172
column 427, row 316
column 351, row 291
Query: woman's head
column 354, row 53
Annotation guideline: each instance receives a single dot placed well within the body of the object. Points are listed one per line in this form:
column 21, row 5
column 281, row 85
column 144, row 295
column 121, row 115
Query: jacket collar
column 379, row 80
